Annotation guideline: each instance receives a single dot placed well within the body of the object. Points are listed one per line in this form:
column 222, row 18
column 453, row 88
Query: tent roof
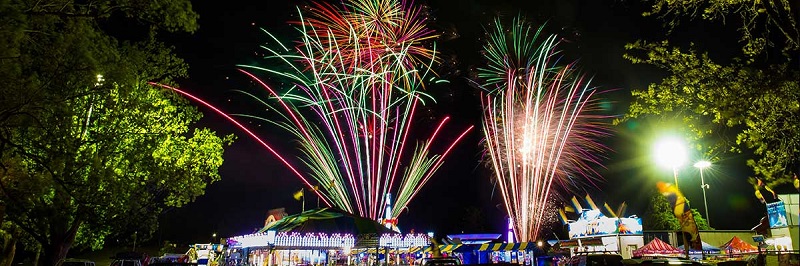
column 656, row 246
column 708, row 248
column 737, row 245
column 328, row 220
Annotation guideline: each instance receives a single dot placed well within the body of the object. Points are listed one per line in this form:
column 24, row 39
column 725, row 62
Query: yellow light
column 670, row 152
column 702, row 164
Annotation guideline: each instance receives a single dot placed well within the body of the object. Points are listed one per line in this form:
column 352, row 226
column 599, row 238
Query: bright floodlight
column 670, row 152
column 702, row 164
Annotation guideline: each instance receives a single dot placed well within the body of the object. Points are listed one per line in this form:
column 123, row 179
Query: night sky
column 594, row 32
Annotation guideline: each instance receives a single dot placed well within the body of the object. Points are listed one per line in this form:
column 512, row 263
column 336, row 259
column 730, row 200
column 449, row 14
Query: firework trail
column 357, row 75
column 536, row 122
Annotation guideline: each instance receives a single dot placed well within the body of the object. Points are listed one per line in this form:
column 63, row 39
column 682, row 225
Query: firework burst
column 537, row 123
column 357, row 75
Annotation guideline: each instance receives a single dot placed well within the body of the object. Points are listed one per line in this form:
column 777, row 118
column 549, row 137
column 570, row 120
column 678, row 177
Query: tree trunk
column 8, row 248
column 56, row 252
column 62, row 232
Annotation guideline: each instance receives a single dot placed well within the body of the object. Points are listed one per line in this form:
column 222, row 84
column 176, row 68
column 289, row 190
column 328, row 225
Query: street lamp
column 671, row 152
column 703, row 165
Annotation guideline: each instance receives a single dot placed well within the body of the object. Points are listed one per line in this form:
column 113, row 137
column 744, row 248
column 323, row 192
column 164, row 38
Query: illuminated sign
column 284, row 239
column 594, row 223
column 403, row 241
column 322, row 240
column 777, row 214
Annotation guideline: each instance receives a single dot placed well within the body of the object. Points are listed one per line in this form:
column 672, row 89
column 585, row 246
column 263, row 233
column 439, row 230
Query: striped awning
column 508, row 246
column 442, row 248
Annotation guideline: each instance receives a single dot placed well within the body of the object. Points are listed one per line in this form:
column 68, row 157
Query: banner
column 681, row 210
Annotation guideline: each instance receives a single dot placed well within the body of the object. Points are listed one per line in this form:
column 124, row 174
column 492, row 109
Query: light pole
column 703, row 165
column 671, row 152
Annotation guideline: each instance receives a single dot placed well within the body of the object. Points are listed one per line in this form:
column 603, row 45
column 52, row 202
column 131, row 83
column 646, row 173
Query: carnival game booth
column 657, row 248
column 523, row 253
column 446, row 250
column 324, row 236
column 595, row 232
column 484, row 253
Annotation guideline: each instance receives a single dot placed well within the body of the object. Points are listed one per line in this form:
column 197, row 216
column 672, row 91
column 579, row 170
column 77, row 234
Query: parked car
column 595, row 259
column 77, row 262
column 126, row 262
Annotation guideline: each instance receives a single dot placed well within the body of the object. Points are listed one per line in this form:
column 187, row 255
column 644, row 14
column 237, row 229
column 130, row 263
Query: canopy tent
column 707, row 249
column 737, row 245
column 328, row 220
column 656, row 247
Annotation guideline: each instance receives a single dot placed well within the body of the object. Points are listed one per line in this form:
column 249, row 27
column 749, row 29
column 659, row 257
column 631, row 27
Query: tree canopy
column 89, row 150
column 759, row 22
column 659, row 216
column 750, row 104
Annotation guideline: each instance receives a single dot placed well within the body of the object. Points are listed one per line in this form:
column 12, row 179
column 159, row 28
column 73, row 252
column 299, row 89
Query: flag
column 764, row 185
column 591, row 202
column 621, row 209
column 298, row 195
column 680, row 207
column 576, row 204
column 609, row 210
column 563, row 216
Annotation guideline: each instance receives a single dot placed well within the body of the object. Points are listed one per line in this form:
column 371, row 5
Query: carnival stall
column 321, row 236
column 737, row 246
column 657, row 247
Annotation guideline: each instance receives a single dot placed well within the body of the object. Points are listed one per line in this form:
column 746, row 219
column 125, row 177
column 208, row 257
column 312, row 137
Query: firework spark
column 357, row 76
column 536, row 122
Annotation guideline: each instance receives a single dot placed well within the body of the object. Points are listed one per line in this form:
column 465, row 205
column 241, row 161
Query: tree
column 749, row 106
column 473, row 220
column 88, row 150
column 659, row 216
column 756, row 19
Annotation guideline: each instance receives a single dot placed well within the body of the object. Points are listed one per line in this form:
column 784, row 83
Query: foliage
column 752, row 109
column 755, row 19
column 702, row 223
column 749, row 106
column 473, row 219
column 658, row 215
column 88, row 150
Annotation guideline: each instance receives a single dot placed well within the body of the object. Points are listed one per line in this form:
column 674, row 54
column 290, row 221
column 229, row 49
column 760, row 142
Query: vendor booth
column 324, row 236
column 737, row 246
column 657, row 247
column 595, row 232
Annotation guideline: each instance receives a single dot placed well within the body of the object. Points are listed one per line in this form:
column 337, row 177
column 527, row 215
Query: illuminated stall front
column 321, row 237
column 594, row 232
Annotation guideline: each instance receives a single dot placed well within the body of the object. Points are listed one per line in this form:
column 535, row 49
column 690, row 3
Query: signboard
column 777, row 214
column 593, row 223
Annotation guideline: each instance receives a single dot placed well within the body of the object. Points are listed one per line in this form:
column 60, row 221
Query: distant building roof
column 474, row 238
